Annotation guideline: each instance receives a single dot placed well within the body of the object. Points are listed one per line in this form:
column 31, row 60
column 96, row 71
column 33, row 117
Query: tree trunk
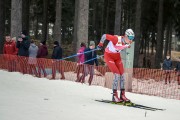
column 107, row 17
column 159, row 50
column 117, row 26
column 45, row 20
column 36, row 27
column 2, row 25
column 137, row 33
column 153, row 42
column 170, row 39
column 16, row 17
column 81, row 22
column 123, row 24
column 129, row 13
column 75, row 25
column 167, row 41
column 25, row 15
column 94, row 23
column 6, row 13
column 57, row 27
column 102, row 18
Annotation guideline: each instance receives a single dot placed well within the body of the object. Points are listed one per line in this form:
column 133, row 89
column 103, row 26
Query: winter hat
column 24, row 32
column 56, row 43
column 83, row 44
column 91, row 43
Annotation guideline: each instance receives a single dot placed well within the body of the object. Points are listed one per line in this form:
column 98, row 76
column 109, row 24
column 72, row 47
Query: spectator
column 33, row 49
column 167, row 66
column 57, row 63
column 178, row 71
column 10, row 53
column 15, row 41
column 81, row 59
column 42, row 53
column 23, row 45
column 90, row 59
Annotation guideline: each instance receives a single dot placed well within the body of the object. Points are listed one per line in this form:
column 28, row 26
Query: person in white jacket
column 32, row 61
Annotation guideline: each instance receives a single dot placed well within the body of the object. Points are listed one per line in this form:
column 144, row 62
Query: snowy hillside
column 23, row 97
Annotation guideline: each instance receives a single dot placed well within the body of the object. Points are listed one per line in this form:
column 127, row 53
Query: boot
column 123, row 97
column 115, row 97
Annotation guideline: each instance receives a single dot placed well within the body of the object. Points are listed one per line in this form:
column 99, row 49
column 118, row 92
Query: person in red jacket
column 10, row 53
column 113, row 59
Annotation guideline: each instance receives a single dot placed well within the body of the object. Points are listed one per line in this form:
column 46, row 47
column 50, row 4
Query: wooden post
column 128, row 57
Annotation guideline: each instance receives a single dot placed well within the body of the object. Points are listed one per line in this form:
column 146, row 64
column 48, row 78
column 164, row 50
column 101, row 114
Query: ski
column 130, row 104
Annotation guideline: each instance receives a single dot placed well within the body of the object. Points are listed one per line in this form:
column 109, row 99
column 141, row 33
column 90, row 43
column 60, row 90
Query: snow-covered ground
column 23, row 97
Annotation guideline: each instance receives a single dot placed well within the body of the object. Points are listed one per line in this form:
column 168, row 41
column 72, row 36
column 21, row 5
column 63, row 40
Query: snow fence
column 154, row 82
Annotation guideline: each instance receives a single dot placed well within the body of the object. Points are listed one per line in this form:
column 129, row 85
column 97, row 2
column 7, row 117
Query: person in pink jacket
column 81, row 60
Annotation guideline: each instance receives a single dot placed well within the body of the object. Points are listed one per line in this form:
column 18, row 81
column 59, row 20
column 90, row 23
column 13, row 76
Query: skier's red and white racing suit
column 113, row 58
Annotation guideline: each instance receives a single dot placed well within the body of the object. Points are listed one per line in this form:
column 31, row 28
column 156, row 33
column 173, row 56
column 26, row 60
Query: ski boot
column 115, row 97
column 123, row 97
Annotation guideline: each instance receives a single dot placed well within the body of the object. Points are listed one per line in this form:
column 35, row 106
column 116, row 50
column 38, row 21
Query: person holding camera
column 23, row 45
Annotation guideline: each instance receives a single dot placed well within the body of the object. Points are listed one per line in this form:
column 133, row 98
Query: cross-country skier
column 113, row 59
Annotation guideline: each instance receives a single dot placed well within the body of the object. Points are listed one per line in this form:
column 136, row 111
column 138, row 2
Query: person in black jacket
column 23, row 45
column 57, row 63
column 177, row 69
column 90, row 60
column 57, row 51
column 167, row 66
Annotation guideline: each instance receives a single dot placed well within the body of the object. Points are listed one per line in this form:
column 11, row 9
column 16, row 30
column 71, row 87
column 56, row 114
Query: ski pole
column 92, row 59
column 77, row 54
column 102, row 56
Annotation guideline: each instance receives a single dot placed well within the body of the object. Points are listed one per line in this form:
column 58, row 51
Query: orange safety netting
column 154, row 82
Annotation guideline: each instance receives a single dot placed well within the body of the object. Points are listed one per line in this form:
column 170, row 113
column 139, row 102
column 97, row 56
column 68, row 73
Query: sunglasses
column 131, row 37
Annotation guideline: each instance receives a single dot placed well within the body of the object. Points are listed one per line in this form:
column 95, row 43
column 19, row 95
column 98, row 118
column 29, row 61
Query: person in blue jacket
column 167, row 67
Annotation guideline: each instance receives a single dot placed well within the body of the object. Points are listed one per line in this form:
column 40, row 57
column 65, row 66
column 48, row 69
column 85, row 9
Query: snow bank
column 23, row 97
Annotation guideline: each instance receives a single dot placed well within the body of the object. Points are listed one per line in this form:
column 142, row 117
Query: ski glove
column 99, row 47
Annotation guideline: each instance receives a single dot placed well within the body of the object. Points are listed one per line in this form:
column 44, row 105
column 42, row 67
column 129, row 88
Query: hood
column 33, row 45
column 44, row 46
